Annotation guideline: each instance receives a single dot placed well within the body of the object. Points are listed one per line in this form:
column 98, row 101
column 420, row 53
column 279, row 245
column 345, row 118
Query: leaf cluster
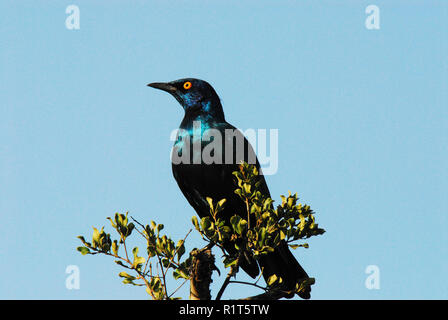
column 255, row 232
column 262, row 227
column 162, row 254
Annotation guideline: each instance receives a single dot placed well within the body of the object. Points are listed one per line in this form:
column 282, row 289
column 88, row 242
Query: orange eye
column 187, row 85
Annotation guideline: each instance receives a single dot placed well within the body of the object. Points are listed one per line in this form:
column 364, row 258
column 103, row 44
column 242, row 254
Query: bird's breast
column 210, row 143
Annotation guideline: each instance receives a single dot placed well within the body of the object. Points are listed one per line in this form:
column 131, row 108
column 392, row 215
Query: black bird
column 199, row 178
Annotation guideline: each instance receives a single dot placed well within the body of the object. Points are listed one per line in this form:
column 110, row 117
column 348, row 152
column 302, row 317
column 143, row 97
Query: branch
column 201, row 274
column 249, row 284
column 268, row 295
column 232, row 272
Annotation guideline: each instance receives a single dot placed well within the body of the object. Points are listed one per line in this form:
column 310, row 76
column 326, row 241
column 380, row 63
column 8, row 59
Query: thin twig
column 178, row 288
column 268, row 295
column 172, row 258
column 125, row 250
column 226, row 282
column 138, row 222
column 248, row 214
column 249, row 283
column 163, row 273
column 259, row 277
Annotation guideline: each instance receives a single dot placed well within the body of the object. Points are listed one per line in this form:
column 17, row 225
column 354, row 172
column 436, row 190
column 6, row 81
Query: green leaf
column 303, row 285
column 282, row 235
column 112, row 222
column 83, row 250
column 120, row 263
column 230, row 261
column 123, row 274
column 180, row 249
column 121, row 220
column 95, row 237
column 261, row 236
column 239, row 192
column 129, row 229
column 165, row 262
column 194, row 219
column 210, row 202
column 272, row 279
column 151, row 250
column 138, row 261
column 180, row 273
column 205, row 223
column 82, row 239
column 242, row 226
column 247, row 189
column 235, row 222
column 155, row 284
column 115, row 247
column 220, row 205
column 295, row 246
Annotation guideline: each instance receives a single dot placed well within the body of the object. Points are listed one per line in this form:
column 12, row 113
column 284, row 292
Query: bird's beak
column 163, row 86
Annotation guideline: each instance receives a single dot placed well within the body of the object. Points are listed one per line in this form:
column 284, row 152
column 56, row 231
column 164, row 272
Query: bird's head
column 192, row 94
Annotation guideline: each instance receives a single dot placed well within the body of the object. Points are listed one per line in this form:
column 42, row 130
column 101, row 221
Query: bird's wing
column 199, row 181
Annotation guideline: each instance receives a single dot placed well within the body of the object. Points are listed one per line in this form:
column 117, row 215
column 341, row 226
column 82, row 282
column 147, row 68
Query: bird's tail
column 282, row 263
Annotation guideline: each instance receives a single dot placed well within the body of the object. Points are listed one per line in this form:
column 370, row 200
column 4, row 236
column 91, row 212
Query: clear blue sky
column 362, row 118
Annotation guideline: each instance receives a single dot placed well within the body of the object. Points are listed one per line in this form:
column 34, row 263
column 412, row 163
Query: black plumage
column 199, row 177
